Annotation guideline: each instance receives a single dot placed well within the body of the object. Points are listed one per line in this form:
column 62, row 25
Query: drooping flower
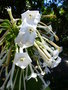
column 26, row 36
column 22, row 60
column 50, row 62
column 55, row 62
column 33, row 74
column 31, row 17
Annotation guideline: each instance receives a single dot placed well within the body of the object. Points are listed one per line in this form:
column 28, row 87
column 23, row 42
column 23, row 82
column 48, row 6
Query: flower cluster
column 35, row 49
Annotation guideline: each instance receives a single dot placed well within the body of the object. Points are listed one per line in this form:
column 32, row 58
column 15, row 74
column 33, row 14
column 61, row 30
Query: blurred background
column 55, row 12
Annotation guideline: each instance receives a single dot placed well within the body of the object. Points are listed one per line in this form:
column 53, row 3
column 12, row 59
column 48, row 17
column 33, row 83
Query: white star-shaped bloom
column 22, row 60
column 31, row 17
column 33, row 75
column 26, row 36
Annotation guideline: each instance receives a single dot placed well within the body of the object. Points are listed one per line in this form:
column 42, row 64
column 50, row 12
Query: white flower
column 42, row 73
column 33, row 74
column 53, row 44
column 56, row 62
column 26, row 36
column 55, row 54
column 31, row 17
column 44, row 56
column 22, row 60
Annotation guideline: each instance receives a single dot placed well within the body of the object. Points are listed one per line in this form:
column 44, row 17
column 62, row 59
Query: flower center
column 22, row 59
column 30, row 16
column 31, row 30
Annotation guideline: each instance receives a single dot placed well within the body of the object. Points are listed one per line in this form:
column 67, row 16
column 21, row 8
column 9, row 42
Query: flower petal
column 22, row 60
column 26, row 36
column 31, row 17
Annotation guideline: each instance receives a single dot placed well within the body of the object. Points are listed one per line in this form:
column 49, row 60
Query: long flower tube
column 20, row 80
column 45, row 28
column 55, row 53
column 24, row 81
column 40, row 51
column 45, row 47
column 26, row 73
column 10, row 82
column 56, row 37
column 53, row 44
column 43, row 55
column 15, row 78
column 48, row 34
column 33, row 75
column 8, row 60
column 42, row 72
column 41, row 77
column 50, row 62
column 39, row 35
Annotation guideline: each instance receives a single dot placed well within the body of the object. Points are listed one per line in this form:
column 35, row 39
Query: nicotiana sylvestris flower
column 33, row 74
column 22, row 60
column 50, row 62
column 55, row 62
column 26, row 36
column 31, row 17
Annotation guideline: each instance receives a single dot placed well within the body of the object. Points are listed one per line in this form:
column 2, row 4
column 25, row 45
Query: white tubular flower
column 26, row 36
column 45, row 51
column 22, row 60
column 31, row 17
column 55, row 54
column 47, row 60
column 33, row 75
column 55, row 62
column 41, row 78
column 53, row 44
column 41, row 46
